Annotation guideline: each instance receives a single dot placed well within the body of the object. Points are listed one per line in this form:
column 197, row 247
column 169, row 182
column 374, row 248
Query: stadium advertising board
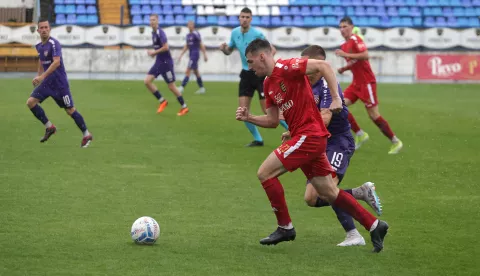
column 372, row 37
column 139, row 36
column 401, row 38
column 289, row 37
column 326, row 37
column 214, row 36
column 175, row 35
column 470, row 38
column 440, row 38
column 5, row 34
column 26, row 35
column 448, row 67
column 69, row 35
column 104, row 35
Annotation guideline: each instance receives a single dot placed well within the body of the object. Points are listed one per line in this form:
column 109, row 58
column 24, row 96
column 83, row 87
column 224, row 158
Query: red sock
column 274, row 190
column 346, row 202
column 354, row 126
column 384, row 127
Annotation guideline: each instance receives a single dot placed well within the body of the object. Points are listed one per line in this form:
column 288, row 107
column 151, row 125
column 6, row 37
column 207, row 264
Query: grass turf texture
column 65, row 210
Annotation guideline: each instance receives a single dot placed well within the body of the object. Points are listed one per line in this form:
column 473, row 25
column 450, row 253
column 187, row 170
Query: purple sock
column 185, row 81
column 345, row 219
column 180, row 100
column 79, row 121
column 157, row 95
column 39, row 113
column 200, row 82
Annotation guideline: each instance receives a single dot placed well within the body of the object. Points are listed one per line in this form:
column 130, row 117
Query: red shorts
column 306, row 153
column 367, row 93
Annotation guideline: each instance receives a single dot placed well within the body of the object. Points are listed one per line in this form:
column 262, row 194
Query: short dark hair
column 347, row 20
column 258, row 45
column 246, row 10
column 42, row 19
column 154, row 14
column 314, row 51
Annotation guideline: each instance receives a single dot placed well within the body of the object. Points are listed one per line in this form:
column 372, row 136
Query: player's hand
column 242, row 114
column 151, row 53
column 286, row 136
column 336, row 106
column 205, row 58
column 223, row 47
column 340, row 53
column 37, row 80
column 179, row 59
column 341, row 70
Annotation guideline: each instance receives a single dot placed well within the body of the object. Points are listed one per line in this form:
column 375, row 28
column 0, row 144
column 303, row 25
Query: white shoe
column 371, row 198
column 180, row 89
column 353, row 238
column 201, row 91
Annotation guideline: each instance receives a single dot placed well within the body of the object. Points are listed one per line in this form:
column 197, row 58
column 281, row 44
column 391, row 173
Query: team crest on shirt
column 283, row 148
column 278, row 98
column 45, row 53
column 283, row 87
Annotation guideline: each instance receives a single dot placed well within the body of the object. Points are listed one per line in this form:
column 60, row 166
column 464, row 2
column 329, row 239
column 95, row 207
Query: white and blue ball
column 145, row 230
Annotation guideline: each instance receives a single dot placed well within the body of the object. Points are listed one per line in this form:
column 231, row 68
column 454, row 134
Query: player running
column 340, row 148
column 288, row 90
column 52, row 81
column 249, row 82
column 163, row 66
column 194, row 45
column 363, row 87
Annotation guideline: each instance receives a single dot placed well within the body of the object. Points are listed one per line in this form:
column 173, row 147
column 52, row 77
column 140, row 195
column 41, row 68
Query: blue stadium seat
column 443, row 3
column 407, row 22
column 403, row 11
column 169, row 20
column 70, row 9
column 81, row 9
column 222, row 21
column 92, row 19
column 305, row 11
column 362, row 21
column 298, row 21
column 80, row 2
column 276, row 21
column 455, row 3
column 417, row 22
column 441, row 22
column 477, row 11
column 385, row 21
column 359, row 11
column 331, row 21
column 395, row 21
column 447, row 11
column 155, row 2
column 177, row 10
column 356, row 3
column 320, row 20
column 371, row 11
column 415, row 12
column 327, row 10
column 167, row 2
column 437, row 11
column 135, row 10
column 338, row 11
column 69, row 1
column 146, row 19
column 432, row 3
column 59, row 2
column 144, row 2
column 157, row 9
column 390, row 3
column 350, row 11
column 82, row 19
column 137, row 20
column 470, row 12
column 212, row 19
column 201, row 20
column 167, row 9
column 381, row 11
column 392, row 11
column 264, row 21
column 232, row 20
column 474, row 22
column 180, row 19
column 295, row 11
column 146, row 9
column 309, row 21
column 91, row 10
column 59, row 9
column 91, row 2
column 429, row 22
column 188, row 10
column 71, row 19
column 62, row 20
column 466, row 3
column 315, row 2
column 337, row 2
column 134, row 2
column 287, row 20
column 255, row 21
column 452, row 22
column 316, row 11
column 284, row 10
column 458, row 11
column 177, row 2
column 190, row 18
column 412, row 3
column 374, row 21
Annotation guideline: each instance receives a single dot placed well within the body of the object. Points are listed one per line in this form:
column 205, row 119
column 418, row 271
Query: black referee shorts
column 249, row 82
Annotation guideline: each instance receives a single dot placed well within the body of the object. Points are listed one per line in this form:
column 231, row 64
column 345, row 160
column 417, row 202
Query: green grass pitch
column 65, row 210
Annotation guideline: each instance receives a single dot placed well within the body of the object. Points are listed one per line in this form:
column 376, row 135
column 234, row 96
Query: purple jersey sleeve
column 325, row 97
column 56, row 49
column 163, row 37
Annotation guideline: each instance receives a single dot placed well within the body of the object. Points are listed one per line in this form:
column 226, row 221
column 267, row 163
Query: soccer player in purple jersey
column 340, row 148
column 52, row 81
column 163, row 66
column 194, row 45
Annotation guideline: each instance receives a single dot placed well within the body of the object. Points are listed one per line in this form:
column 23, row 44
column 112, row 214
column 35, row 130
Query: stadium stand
column 310, row 13
column 79, row 12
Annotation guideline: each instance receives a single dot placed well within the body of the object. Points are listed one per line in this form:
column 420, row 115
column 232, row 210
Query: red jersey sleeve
column 268, row 100
column 357, row 44
column 291, row 68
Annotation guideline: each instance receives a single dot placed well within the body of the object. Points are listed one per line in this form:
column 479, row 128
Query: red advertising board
column 448, row 67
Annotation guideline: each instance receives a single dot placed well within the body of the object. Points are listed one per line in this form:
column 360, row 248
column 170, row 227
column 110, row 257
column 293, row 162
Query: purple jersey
column 193, row 42
column 57, row 79
column 159, row 39
column 339, row 123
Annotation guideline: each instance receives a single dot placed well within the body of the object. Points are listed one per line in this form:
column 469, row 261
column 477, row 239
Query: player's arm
column 320, row 66
column 347, row 67
column 55, row 64
column 227, row 49
column 271, row 120
column 185, row 48
column 204, row 51
column 326, row 115
column 360, row 56
column 162, row 49
column 39, row 68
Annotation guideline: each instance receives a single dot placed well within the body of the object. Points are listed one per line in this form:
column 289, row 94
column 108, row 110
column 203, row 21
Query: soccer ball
column 145, row 230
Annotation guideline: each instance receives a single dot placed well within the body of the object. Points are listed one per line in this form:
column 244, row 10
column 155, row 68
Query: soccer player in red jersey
column 287, row 89
column 363, row 87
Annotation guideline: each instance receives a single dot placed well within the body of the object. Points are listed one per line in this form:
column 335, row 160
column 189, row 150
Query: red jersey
column 289, row 89
column 361, row 69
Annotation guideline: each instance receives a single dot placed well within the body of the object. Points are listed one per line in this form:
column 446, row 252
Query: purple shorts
column 340, row 149
column 62, row 96
column 193, row 63
column 165, row 69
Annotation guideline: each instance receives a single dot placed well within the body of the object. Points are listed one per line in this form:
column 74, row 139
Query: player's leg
column 371, row 103
column 201, row 89
column 148, row 81
column 80, row 122
column 169, row 77
column 245, row 94
column 186, row 78
column 39, row 94
column 351, row 96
